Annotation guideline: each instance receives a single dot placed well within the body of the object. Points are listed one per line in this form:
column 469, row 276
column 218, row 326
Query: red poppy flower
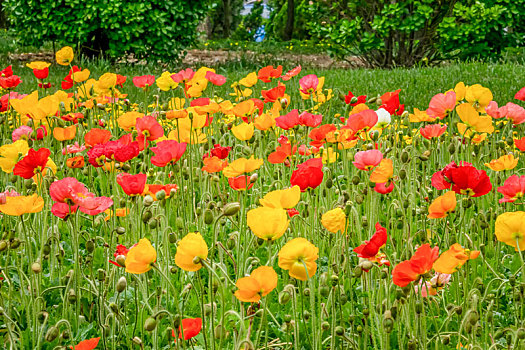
column 268, row 73
column 190, row 327
column 308, row 174
column 370, row 248
column 121, row 79
column 41, row 73
column 384, row 188
column 41, row 132
column 357, row 99
column 432, row 131
column 34, row 162
column 274, row 94
column 318, row 135
column 72, row 117
column 310, row 120
column 289, row 120
column 6, row 72
column 120, row 251
column 68, row 82
column 520, row 95
column 166, row 152
column 441, row 179
column 10, row 82
column 512, row 189
column 390, row 102
column 144, row 81
column 132, row 185
column 291, row 73
column 470, row 181
column 292, row 212
column 282, row 152
column 96, row 136
column 215, row 79
column 219, row 151
column 520, row 144
column 419, row 264
column 240, row 183
column 183, row 76
column 362, row 121
column 148, row 129
column 367, row 160
column 88, row 344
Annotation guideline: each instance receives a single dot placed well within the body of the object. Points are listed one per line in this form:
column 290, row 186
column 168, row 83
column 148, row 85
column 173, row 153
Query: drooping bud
column 230, row 209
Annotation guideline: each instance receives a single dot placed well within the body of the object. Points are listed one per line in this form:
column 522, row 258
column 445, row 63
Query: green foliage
column 279, row 15
column 411, row 32
column 156, row 29
column 223, row 18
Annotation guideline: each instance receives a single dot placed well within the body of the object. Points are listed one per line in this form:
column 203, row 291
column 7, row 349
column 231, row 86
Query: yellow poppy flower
column 299, row 256
column 268, row 223
column 64, row 134
column 241, row 166
column 478, row 96
column 284, row 199
column 165, row 83
column 65, row 55
column 334, row 220
column 141, row 257
column 249, row 80
column 455, row 257
column 383, row 173
column 510, row 229
column 19, row 205
column 11, row 153
column 243, row 131
column 506, row 162
column 190, row 251
column 39, row 65
column 473, row 120
column 79, row 77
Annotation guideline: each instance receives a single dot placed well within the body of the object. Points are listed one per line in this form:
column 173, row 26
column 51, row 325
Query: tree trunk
column 288, row 29
column 227, row 10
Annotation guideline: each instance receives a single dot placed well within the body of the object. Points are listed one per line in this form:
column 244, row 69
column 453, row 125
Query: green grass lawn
column 418, row 84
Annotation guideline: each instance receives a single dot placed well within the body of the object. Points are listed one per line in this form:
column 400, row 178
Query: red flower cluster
column 308, row 174
column 463, row 179
column 419, row 264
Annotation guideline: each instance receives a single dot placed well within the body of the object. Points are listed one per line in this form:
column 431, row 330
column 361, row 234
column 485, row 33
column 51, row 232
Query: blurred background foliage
column 382, row 33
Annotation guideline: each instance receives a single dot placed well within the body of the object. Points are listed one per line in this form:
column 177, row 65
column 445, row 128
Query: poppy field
column 192, row 210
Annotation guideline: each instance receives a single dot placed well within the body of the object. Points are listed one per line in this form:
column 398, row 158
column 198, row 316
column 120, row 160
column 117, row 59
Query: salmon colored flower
column 513, row 188
column 419, row 264
column 167, row 152
column 442, row 205
column 144, row 81
column 215, row 79
column 259, row 284
column 191, row 251
column 370, row 249
column 433, row 130
column 510, row 229
column 268, row 223
column 242, row 166
column 362, row 121
column 367, row 160
column 520, row 95
column 308, row 84
column 191, row 327
column 334, row 220
column 441, row 105
column 291, row 73
column 33, row 163
column 20, row 205
column 132, row 185
column 77, row 162
column 274, row 94
column 299, row 256
column 493, row 110
column 141, row 257
column 88, row 344
column 148, row 129
column 284, row 199
column 65, row 55
column 507, row 162
column 513, row 112
column 452, row 259
column 308, row 174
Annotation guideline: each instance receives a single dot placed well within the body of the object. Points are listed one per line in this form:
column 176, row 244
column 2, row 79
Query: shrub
column 157, row 29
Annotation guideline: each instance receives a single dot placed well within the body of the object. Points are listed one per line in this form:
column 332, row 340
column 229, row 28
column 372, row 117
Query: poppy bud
column 208, row 308
column 15, row 243
column 153, row 223
column 150, row 324
column 366, row 265
column 208, row 217
column 148, row 200
column 356, row 180
column 359, row 329
column 284, row 297
column 120, row 230
column 521, row 333
column 458, row 310
column 90, row 246
column 364, row 221
column 230, row 209
column 306, row 292
column 358, row 271
column 388, row 324
column 324, row 291
column 101, row 275
column 146, row 216
column 412, row 344
column 52, row 333
column 419, row 307
column 137, row 341
column 36, row 267
column 160, row 195
column 402, row 174
column 306, row 315
column 372, row 100
column 72, row 296
column 220, row 332
column 3, row 245
column 325, row 325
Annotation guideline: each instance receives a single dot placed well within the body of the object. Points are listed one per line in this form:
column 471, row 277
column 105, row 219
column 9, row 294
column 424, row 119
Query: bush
column 157, row 29
column 406, row 33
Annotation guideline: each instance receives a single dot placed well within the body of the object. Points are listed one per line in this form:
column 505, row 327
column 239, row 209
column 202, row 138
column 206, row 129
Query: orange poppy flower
column 214, row 164
column 88, row 344
column 442, row 205
column 64, row 134
column 419, row 264
column 75, row 162
column 383, row 173
column 455, row 257
column 259, row 284
column 96, row 136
